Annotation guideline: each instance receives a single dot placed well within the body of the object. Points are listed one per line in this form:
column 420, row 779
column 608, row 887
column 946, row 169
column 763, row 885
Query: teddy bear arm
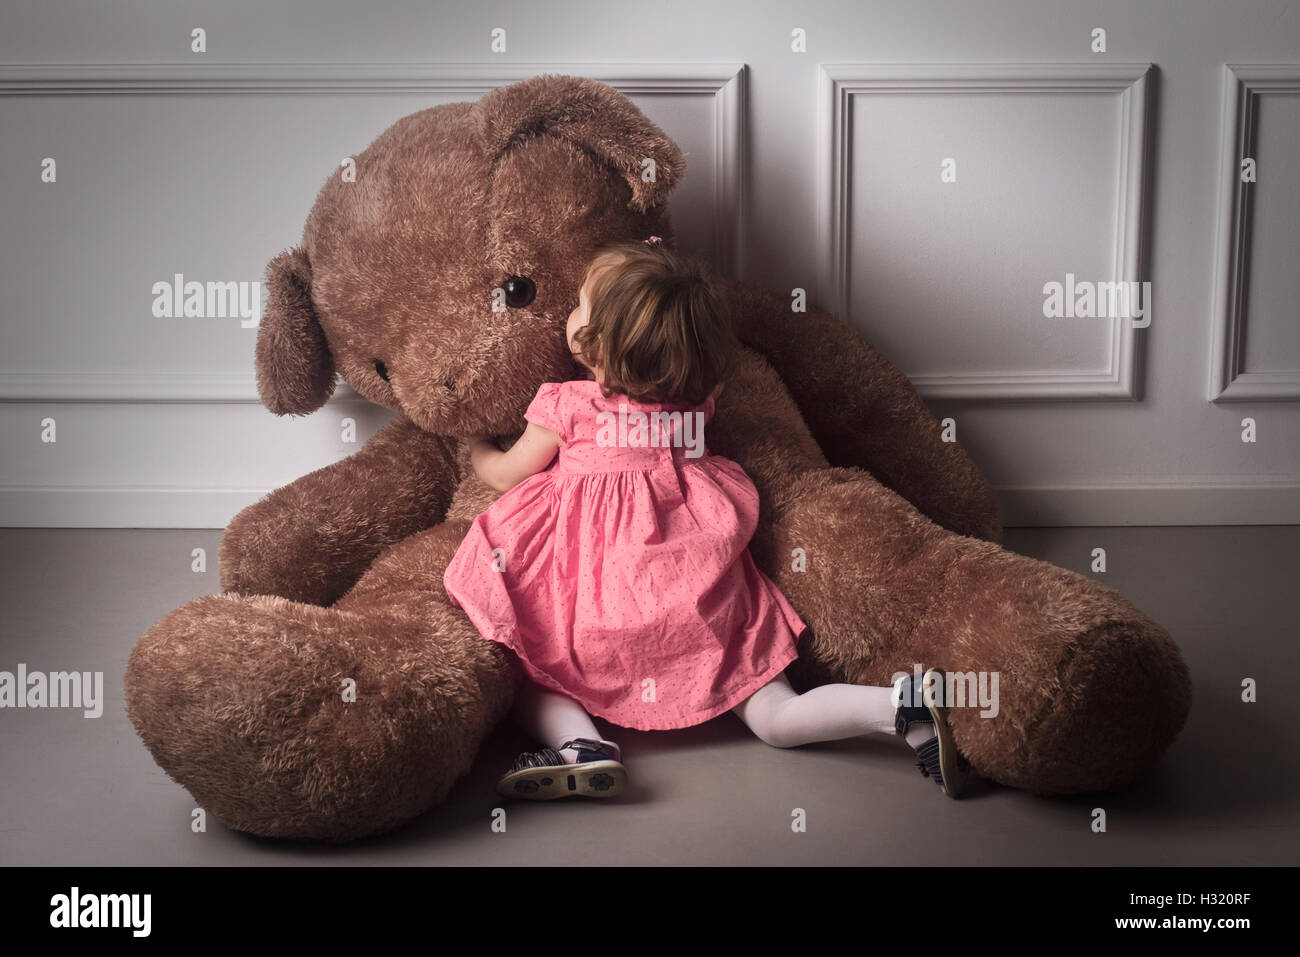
column 864, row 412
column 311, row 540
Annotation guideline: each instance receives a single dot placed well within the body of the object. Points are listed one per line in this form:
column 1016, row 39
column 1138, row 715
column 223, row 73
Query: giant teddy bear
column 437, row 284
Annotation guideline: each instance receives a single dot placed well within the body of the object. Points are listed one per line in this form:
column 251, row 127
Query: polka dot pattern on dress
column 627, row 581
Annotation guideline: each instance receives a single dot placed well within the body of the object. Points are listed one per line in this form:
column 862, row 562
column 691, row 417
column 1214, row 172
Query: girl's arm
column 528, row 456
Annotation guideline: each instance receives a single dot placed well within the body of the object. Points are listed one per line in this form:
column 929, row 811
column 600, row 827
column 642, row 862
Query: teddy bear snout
column 436, row 401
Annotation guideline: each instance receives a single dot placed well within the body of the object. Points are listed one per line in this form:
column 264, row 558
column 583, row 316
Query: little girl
column 621, row 578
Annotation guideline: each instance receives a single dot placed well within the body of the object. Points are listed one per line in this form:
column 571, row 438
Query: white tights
column 776, row 713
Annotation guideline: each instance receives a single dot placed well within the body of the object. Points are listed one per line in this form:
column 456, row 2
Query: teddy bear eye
column 520, row 291
column 382, row 370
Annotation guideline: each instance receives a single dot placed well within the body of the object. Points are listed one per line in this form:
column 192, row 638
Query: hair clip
column 654, row 240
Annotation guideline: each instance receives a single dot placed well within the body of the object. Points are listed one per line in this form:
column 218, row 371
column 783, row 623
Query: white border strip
column 1244, row 502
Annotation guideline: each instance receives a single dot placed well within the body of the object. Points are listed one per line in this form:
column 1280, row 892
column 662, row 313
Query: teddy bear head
column 438, row 269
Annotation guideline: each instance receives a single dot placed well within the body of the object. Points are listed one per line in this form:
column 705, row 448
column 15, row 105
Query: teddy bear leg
column 1081, row 691
column 290, row 720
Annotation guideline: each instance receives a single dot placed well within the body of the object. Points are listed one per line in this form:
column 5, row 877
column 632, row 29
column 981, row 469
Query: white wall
column 818, row 170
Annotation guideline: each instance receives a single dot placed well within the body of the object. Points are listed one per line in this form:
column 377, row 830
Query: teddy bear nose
column 449, row 384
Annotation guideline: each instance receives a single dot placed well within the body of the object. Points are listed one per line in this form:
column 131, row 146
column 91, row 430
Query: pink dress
column 621, row 575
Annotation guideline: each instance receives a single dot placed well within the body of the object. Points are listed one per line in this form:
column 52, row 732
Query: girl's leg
column 785, row 719
column 552, row 718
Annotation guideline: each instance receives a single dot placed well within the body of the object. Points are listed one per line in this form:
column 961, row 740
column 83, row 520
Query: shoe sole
column 597, row 779
column 952, row 764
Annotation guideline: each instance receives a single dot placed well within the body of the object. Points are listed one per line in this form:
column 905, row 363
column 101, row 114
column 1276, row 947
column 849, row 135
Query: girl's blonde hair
column 658, row 325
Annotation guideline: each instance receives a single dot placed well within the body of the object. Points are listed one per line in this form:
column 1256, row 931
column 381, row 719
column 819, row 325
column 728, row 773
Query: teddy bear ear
column 592, row 115
column 295, row 371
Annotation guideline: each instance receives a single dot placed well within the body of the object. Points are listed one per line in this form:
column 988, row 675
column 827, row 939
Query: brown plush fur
column 338, row 576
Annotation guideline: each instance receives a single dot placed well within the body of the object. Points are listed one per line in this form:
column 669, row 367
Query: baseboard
column 1274, row 502
column 75, row 506
column 1239, row 502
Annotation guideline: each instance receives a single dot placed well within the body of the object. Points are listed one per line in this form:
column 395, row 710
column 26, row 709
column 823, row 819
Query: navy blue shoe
column 937, row 758
column 544, row 775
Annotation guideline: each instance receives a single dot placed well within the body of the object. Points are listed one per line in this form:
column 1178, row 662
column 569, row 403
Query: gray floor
column 86, row 792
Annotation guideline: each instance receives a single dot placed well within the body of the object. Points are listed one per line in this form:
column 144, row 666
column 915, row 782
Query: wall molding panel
column 723, row 82
column 1244, row 86
column 1127, row 83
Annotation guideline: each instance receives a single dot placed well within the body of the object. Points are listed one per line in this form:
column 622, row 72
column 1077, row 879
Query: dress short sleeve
column 546, row 409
